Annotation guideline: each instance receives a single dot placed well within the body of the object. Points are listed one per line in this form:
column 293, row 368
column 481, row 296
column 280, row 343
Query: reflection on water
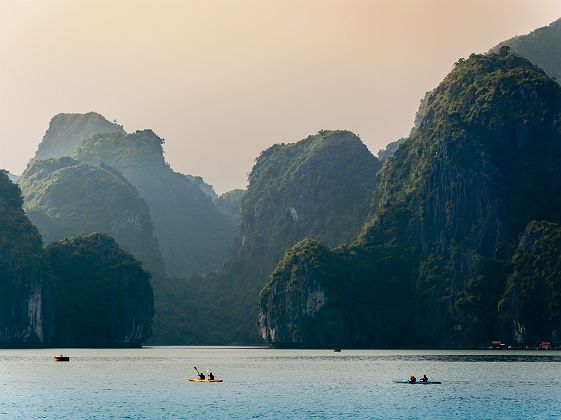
column 499, row 356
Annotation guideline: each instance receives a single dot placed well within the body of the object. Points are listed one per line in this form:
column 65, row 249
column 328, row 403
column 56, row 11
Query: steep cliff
column 102, row 296
column 451, row 204
column 542, row 47
column 530, row 309
column 68, row 131
column 193, row 235
column 25, row 282
column 307, row 303
column 459, row 190
column 320, row 186
column 391, row 148
column 66, row 198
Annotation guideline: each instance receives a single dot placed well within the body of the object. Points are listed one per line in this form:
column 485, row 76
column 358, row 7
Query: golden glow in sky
column 222, row 80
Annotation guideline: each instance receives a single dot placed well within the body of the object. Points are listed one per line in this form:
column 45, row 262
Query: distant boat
column 336, row 350
column 61, row 358
column 204, row 380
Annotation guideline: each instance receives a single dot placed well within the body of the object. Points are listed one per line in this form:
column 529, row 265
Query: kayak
column 204, row 380
column 406, row 381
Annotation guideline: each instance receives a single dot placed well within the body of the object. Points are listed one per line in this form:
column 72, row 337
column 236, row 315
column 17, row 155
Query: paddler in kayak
column 210, row 376
column 412, row 379
column 201, row 376
column 424, row 378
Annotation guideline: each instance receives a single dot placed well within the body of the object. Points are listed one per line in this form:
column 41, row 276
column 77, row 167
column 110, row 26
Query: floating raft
column 204, row 380
column 61, row 359
column 406, row 381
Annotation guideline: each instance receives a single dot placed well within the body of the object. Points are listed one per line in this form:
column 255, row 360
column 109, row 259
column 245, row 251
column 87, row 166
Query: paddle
column 198, row 373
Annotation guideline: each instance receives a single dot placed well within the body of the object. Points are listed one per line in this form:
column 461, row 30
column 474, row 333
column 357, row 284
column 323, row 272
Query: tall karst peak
column 320, row 187
column 448, row 213
column 194, row 235
column 67, row 131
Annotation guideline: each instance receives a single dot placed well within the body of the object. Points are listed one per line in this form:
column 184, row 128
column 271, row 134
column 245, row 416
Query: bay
column 268, row 383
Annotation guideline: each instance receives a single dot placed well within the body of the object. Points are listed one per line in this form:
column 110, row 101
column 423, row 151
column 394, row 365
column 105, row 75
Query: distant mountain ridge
column 66, row 198
column 120, row 184
column 541, row 46
column 194, row 236
column 68, row 131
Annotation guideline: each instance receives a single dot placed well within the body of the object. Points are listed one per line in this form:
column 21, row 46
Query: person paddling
column 210, row 376
column 201, row 375
column 424, row 378
column 412, row 379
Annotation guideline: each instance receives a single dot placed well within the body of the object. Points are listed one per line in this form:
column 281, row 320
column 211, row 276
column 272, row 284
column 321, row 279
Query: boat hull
column 204, row 380
column 405, row 381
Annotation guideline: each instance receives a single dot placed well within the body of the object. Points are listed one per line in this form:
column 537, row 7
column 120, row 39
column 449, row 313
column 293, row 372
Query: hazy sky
column 223, row 80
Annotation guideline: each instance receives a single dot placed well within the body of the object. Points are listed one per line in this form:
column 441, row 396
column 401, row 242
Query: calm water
column 151, row 383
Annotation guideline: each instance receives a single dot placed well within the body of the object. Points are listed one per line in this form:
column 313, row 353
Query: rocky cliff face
column 459, row 189
column 66, row 198
column 102, row 296
column 453, row 200
column 302, row 303
column 530, row 309
column 68, row 131
column 193, row 235
column 320, row 186
column 25, row 284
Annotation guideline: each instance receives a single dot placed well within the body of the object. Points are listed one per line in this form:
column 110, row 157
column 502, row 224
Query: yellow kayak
column 204, row 380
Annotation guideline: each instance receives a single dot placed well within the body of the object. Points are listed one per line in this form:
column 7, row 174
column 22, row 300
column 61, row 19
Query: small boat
column 336, row 350
column 61, row 358
column 406, row 381
column 204, row 380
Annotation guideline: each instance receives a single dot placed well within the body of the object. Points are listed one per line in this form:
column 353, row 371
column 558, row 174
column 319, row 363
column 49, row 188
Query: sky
column 222, row 80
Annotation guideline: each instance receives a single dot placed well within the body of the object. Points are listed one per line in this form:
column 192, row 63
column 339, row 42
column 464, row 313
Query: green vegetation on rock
column 450, row 206
column 319, row 187
column 66, row 198
column 25, row 289
column 530, row 309
column 102, row 296
column 194, row 236
column 79, row 292
column 542, row 47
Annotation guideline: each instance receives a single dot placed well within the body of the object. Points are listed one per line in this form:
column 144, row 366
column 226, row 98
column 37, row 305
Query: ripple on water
column 151, row 383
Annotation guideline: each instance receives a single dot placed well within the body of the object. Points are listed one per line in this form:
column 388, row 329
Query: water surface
column 151, row 383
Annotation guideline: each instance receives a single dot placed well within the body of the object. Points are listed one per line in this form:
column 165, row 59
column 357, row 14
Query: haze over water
column 151, row 383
